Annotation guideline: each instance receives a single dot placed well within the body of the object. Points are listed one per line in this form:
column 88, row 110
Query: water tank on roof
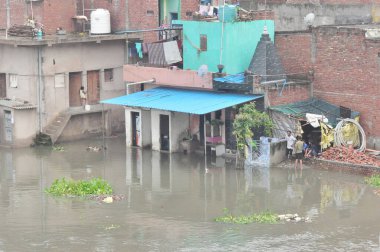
column 227, row 13
column 100, row 21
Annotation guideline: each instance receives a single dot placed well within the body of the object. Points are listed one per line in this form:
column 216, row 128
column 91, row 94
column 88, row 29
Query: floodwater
column 171, row 201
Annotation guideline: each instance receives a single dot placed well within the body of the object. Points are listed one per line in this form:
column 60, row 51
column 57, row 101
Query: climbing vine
column 247, row 120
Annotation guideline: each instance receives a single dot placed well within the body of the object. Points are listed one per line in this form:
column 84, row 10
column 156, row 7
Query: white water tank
column 100, row 21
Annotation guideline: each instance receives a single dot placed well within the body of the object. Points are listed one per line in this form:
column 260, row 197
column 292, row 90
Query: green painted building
column 169, row 10
column 205, row 43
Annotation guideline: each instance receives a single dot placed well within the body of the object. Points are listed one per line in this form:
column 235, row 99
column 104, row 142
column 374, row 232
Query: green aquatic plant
column 374, row 180
column 58, row 148
column 263, row 217
column 95, row 186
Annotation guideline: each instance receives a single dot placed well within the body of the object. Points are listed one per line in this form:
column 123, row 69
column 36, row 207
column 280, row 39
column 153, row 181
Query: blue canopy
column 181, row 100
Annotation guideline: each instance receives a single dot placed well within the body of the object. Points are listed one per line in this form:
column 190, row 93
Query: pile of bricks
column 344, row 154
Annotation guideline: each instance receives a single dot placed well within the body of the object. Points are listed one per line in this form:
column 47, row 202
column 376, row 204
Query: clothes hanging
column 139, row 50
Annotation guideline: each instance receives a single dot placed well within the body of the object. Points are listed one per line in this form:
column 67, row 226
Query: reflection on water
column 171, row 201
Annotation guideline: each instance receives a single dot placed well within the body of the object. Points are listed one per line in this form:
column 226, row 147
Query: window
column 203, row 42
column 59, row 80
column 108, row 75
column 13, row 80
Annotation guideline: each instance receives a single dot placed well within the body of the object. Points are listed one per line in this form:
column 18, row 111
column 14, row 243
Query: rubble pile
column 344, row 154
column 21, row 31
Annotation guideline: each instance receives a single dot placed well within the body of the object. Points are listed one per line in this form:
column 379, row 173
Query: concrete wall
column 145, row 130
column 81, row 57
column 63, row 59
column 23, row 62
column 239, row 43
column 165, row 76
column 155, row 127
column 179, row 123
column 82, row 126
column 289, row 15
column 277, row 152
column 24, row 126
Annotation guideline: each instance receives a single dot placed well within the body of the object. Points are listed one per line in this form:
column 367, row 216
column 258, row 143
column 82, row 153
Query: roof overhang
column 181, row 100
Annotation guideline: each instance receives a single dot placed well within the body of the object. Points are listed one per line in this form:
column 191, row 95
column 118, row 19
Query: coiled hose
column 339, row 139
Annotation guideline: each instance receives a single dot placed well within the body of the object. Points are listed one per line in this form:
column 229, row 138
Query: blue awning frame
column 189, row 101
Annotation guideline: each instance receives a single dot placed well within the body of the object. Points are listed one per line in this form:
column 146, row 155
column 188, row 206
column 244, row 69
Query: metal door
column 164, row 132
column 8, row 129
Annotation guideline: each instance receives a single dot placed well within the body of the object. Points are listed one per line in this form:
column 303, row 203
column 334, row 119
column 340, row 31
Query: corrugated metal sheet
column 16, row 104
column 313, row 106
column 181, row 100
column 235, row 78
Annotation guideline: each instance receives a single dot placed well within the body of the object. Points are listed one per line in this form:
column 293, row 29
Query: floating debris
column 107, row 198
column 58, row 148
column 292, row 218
column 95, row 148
column 112, row 227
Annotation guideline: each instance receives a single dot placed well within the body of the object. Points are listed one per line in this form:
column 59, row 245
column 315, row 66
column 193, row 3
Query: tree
column 247, row 120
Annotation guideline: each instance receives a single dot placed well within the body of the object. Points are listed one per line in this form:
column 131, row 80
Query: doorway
column 136, row 126
column 164, row 132
column 93, row 87
column 3, row 86
column 75, row 82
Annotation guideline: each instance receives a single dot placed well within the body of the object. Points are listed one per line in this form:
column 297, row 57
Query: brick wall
column 346, row 69
column 290, row 94
column 187, row 7
column 294, row 50
column 19, row 12
column 347, row 73
column 58, row 13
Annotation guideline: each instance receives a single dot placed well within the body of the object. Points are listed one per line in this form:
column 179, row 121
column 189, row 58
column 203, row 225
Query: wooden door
column 93, row 87
column 3, row 86
column 75, row 82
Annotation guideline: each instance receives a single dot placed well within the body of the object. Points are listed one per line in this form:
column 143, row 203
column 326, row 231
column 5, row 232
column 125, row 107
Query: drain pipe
column 39, row 88
column 138, row 83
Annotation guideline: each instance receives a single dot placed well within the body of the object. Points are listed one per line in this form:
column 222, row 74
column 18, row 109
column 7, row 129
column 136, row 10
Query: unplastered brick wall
column 58, row 13
column 144, row 15
column 19, row 11
column 188, row 7
column 347, row 73
column 294, row 49
column 51, row 14
column 289, row 94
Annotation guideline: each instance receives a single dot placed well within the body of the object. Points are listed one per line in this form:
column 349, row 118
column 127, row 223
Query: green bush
column 373, row 180
column 63, row 187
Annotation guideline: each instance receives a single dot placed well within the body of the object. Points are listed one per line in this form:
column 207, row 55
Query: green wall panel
column 239, row 43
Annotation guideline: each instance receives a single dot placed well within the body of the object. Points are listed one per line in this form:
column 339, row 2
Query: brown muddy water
column 171, row 201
